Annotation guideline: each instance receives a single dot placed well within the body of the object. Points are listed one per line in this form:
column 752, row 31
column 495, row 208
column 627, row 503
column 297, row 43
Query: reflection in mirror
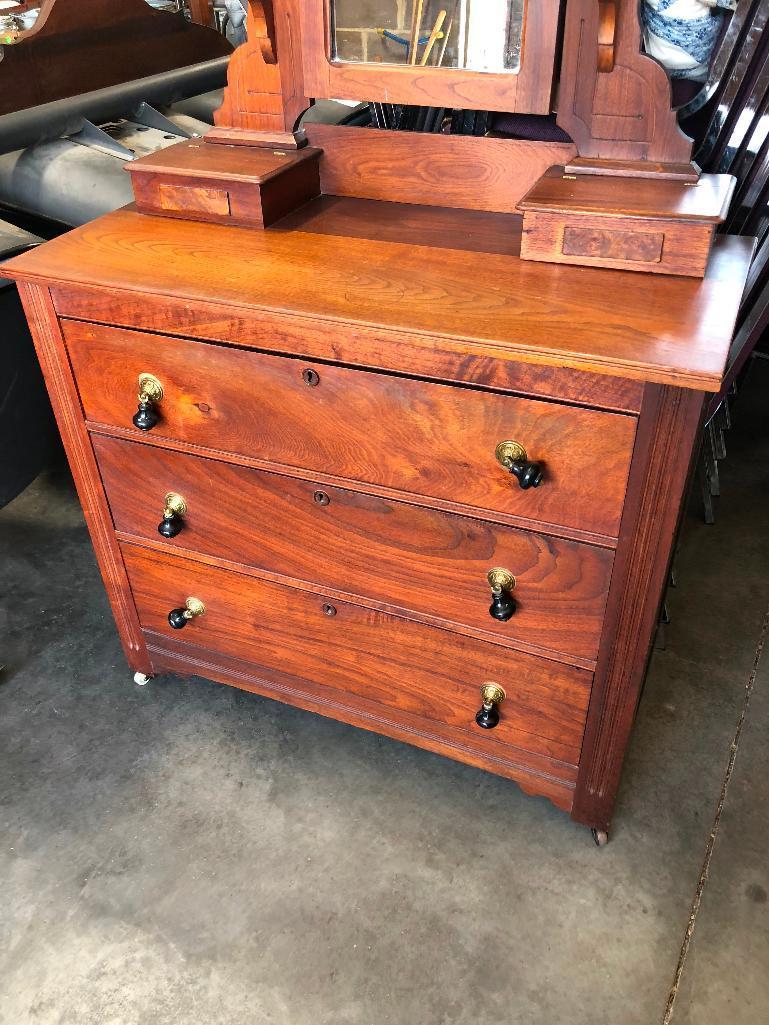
column 475, row 35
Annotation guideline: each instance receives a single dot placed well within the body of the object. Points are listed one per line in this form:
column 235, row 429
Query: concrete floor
column 189, row 853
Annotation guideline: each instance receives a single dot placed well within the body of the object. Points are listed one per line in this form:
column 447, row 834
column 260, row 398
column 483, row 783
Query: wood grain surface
column 415, row 437
column 646, row 327
column 391, row 662
column 248, row 204
column 442, row 171
column 472, row 231
column 486, row 365
column 636, row 246
column 412, row 560
column 623, row 243
column 247, row 164
column 705, row 201
column 192, row 199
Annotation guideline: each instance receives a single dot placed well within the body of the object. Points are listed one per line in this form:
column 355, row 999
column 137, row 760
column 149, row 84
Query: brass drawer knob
column 150, row 393
column 502, row 583
column 492, row 696
column 172, row 522
column 179, row 618
column 512, row 456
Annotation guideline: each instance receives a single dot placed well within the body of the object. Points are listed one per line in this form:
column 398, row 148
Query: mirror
column 473, row 35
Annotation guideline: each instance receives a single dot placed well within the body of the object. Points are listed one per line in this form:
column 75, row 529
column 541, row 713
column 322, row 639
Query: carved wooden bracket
column 265, row 90
column 615, row 100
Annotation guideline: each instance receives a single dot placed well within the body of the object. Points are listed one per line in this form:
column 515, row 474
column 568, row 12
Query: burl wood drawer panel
column 407, row 667
column 432, row 440
column 423, row 560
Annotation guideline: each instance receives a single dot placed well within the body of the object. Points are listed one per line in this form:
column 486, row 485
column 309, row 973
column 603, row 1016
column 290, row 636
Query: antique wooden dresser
column 339, row 444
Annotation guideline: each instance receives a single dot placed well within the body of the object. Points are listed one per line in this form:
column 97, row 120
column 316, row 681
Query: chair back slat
column 758, row 275
column 750, row 195
column 749, row 132
column 729, row 122
column 748, row 333
column 747, row 67
column 722, row 60
column 732, row 149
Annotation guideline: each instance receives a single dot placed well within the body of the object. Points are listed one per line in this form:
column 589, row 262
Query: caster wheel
column 141, row 679
column 600, row 837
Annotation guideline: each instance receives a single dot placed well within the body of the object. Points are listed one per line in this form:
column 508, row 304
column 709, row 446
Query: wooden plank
column 443, row 170
column 473, row 231
column 228, row 164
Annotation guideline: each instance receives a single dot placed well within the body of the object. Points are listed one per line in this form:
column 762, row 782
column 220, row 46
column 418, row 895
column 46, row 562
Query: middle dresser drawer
column 390, row 553
column 426, row 440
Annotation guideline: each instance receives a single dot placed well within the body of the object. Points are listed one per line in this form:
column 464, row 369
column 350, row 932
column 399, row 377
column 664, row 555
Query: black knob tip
column 502, row 606
column 146, row 417
column 488, row 716
column 529, row 475
column 177, row 618
column 170, row 526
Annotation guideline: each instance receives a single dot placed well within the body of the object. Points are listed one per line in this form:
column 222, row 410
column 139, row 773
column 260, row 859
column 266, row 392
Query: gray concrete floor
column 187, row 853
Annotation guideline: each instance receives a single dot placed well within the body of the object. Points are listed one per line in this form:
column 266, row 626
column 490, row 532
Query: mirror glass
column 474, row 35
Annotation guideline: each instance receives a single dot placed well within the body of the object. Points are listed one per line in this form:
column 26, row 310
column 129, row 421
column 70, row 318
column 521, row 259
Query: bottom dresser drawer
column 368, row 660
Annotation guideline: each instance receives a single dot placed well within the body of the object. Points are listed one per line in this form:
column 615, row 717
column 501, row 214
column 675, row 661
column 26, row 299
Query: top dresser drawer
column 431, row 441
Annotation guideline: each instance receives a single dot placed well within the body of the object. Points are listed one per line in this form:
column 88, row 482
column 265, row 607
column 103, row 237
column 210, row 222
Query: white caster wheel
column 600, row 837
column 141, row 679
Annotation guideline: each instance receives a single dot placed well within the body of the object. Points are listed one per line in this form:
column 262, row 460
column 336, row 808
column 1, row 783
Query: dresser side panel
column 662, row 461
column 62, row 389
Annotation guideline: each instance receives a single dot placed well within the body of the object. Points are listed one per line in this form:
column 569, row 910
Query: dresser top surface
column 426, row 271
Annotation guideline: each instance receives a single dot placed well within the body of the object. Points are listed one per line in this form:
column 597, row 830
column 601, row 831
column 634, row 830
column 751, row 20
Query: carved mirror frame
column 527, row 91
